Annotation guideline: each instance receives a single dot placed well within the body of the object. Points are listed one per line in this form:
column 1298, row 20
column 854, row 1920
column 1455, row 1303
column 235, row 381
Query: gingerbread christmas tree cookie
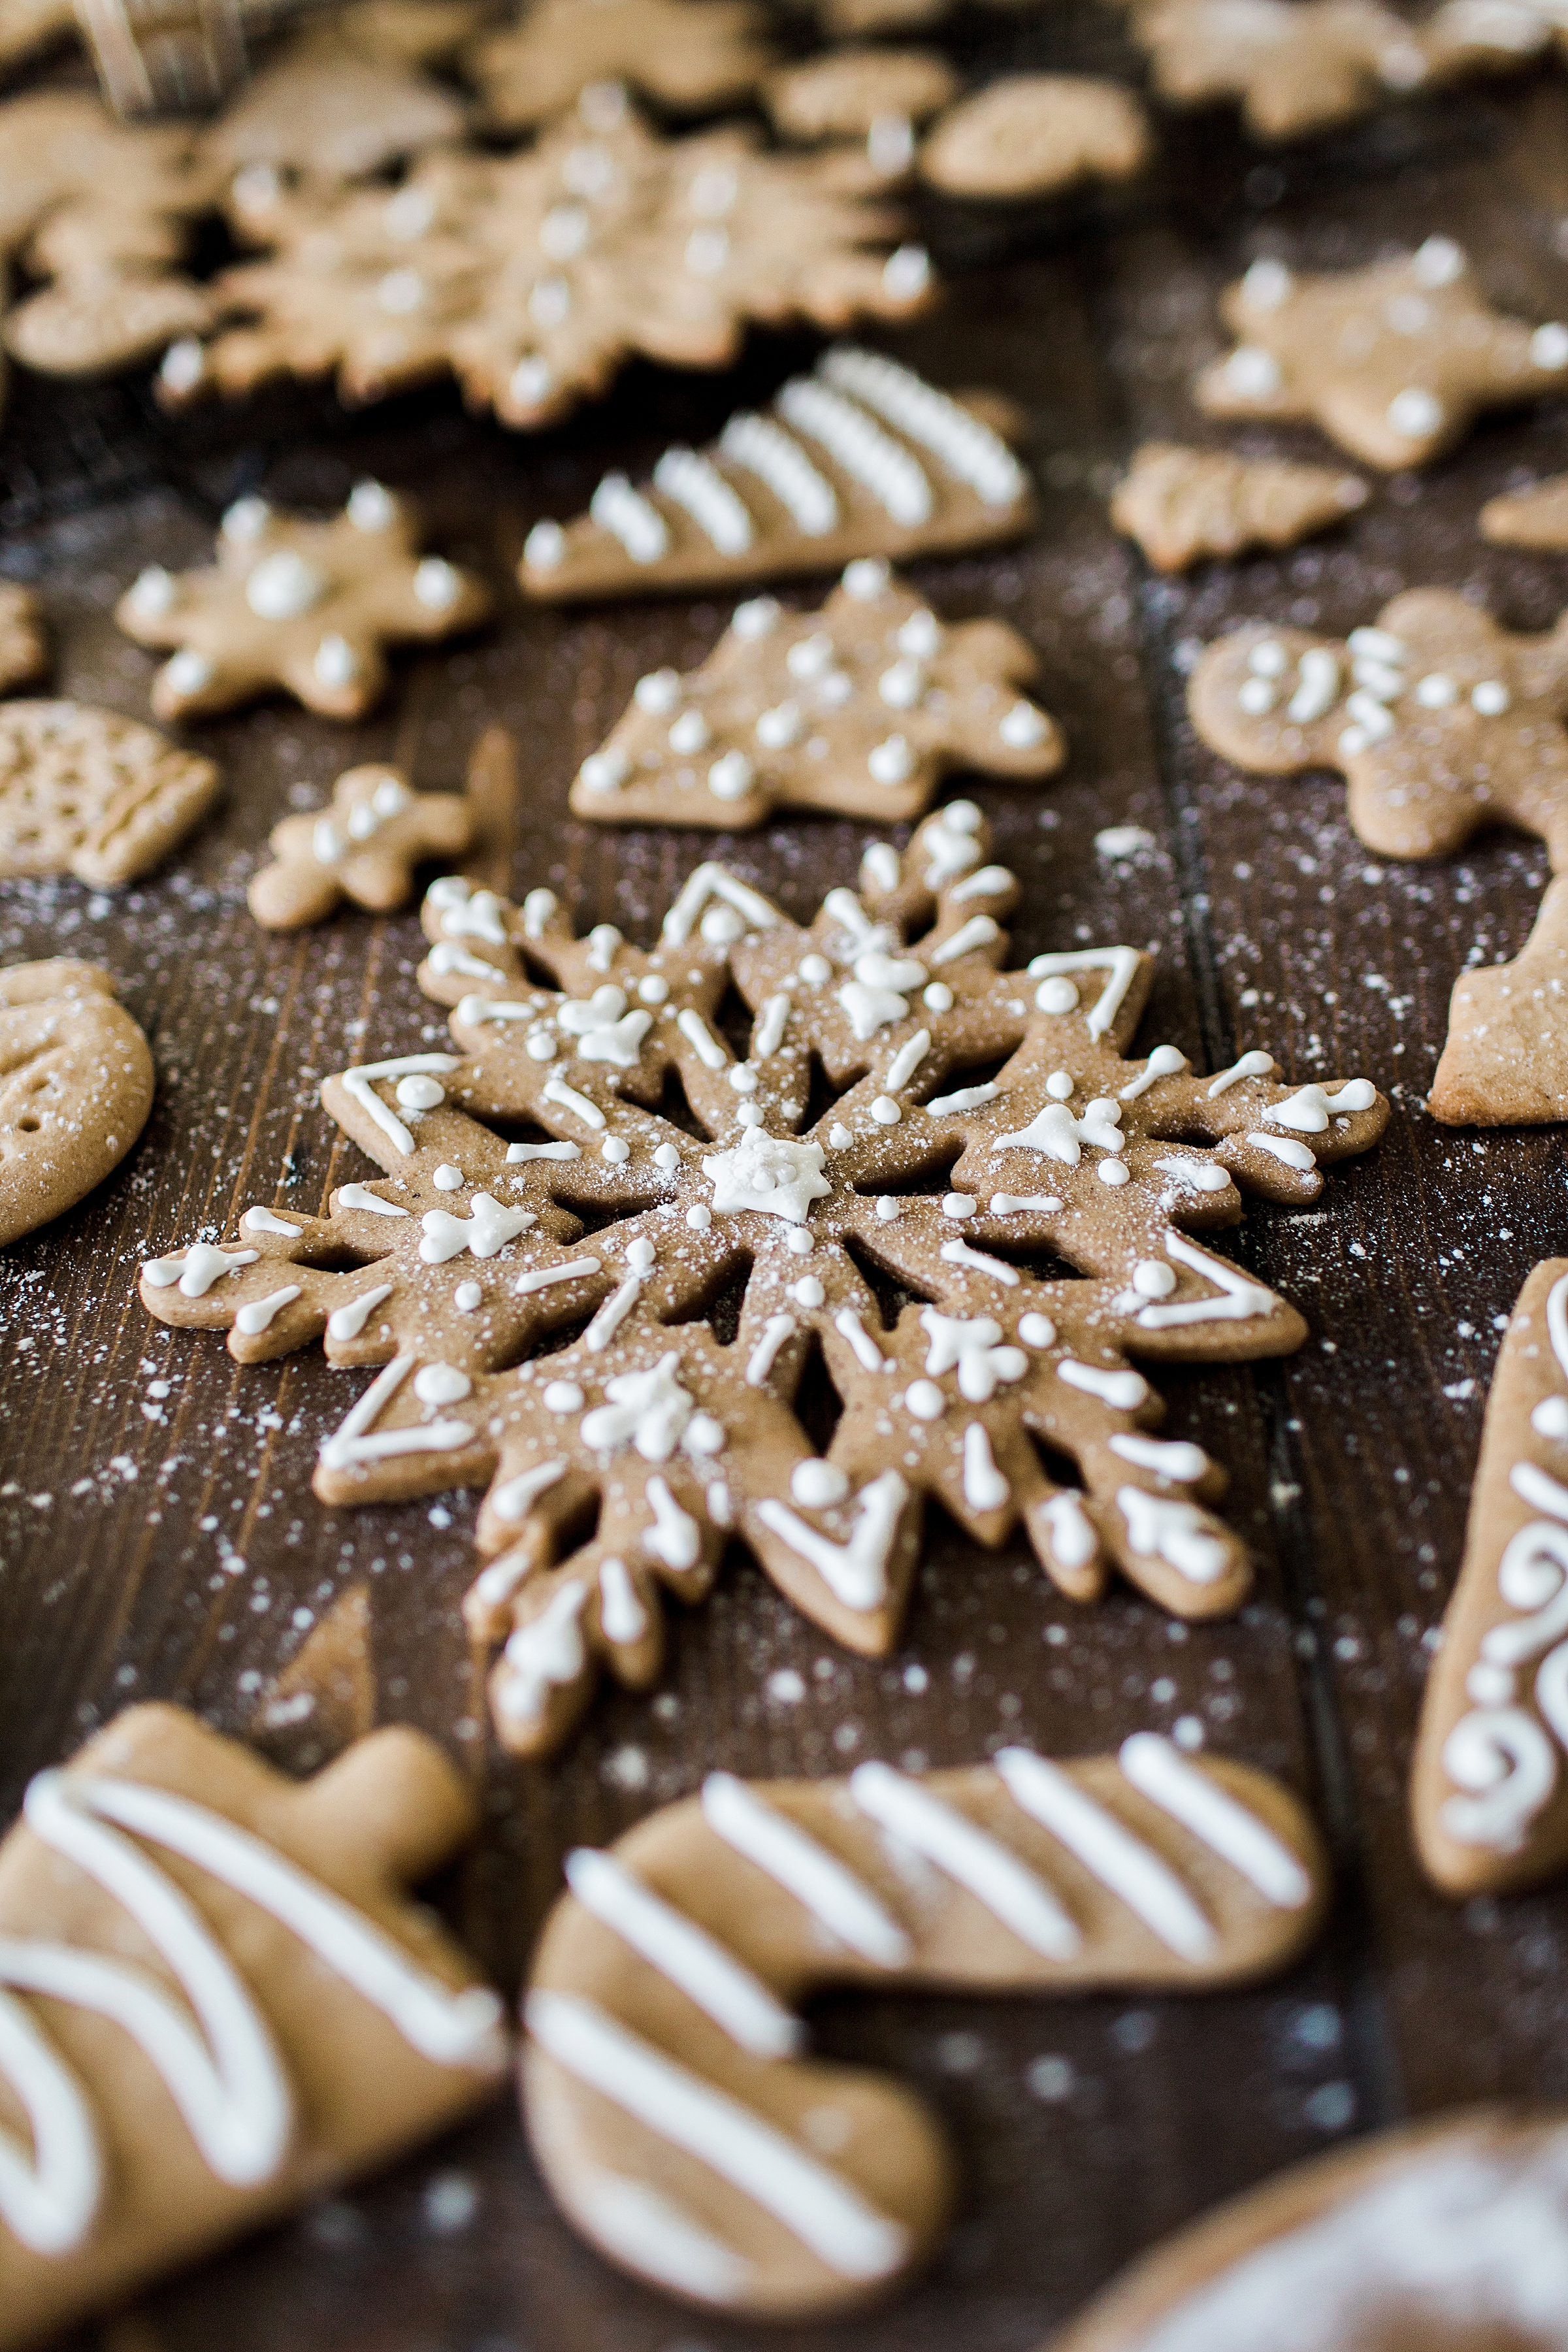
column 861, row 707
column 1441, row 723
column 695, row 56
column 76, row 1088
column 1394, row 362
column 1182, row 504
column 891, row 1238
column 306, row 607
column 85, row 791
column 861, row 458
column 668, row 2085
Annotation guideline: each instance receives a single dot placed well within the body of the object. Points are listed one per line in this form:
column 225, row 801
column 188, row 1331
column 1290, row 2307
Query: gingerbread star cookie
column 980, row 1120
column 1036, row 135
column 695, row 56
column 85, row 791
column 861, row 708
column 1446, row 2235
column 670, row 2093
column 220, row 1998
column 306, row 606
column 1394, row 362
column 24, row 656
column 76, row 1088
column 1441, row 723
column 861, row 458
column 1182, row 504
column 1537, row 517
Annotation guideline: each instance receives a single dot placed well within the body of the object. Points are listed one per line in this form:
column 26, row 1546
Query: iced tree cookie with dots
column 76, row 1088
column 979, row 1115
column 84, row 791
column 305, row 608
column 1489, row 1781
column 1441, row 723
column 1037, row 135
column 1393, row 361
column 694, row 56
column 217, row 1998
column 862, row 708
column 861, row 458
column 535, row 278
column 668, row 2086
column 1448, row 2234
column 1180, row 505
column 24, row 654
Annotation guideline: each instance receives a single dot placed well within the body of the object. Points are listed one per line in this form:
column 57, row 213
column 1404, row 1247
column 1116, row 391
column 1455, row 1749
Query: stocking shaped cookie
column 217, row 1998
column 862, row 457
column 306, row 606
column 1441, row 723
column 1180, row 505
column 669, row 2094
column 978, row 1118
column 1394, row 362
column 861, row 707
column 76, row 1088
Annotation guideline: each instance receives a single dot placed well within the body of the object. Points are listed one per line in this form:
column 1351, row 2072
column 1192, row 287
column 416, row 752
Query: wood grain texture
column 157, row 1535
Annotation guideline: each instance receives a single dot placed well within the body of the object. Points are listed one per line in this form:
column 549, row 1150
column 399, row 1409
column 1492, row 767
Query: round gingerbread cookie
column 75, row 1086
column 1034, row 136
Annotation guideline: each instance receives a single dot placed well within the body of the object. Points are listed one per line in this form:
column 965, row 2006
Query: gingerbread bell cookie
column 219, row 1997
column 1441, row 723
column 1394, row 362
column 306, row 607
column 979, row 1116
column 85, row 791
column 860, row 708
column 24, row 656
column 1448, row 2235
column 1037, row 135
column 1182, row 504
column 76, row 1088
column 671, row 2095
column 1490, row 1782
column 861, row 458
column 694, row 56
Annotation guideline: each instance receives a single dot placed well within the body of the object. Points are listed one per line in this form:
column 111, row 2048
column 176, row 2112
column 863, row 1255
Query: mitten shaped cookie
column 669, row 2094
column 219, row 1999
column 76, row 1088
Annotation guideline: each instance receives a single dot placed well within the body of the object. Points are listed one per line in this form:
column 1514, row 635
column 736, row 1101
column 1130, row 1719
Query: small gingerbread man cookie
column 1034, row 136
column 76, row 1088
column 1183, row 504
column 306, row 606
column 1394, row 362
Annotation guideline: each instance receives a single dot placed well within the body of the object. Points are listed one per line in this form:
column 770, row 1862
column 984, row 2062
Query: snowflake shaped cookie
column 1441, row 723
column 861, row 707
column 694, row 59
column 1394, row 362
column 888, row 1241
column 306, row 606
column 535, row 277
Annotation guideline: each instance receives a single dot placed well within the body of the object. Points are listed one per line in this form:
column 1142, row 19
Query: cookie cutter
column 175, row 57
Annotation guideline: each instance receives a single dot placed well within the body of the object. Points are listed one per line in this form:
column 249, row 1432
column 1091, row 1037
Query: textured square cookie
column 85, row 791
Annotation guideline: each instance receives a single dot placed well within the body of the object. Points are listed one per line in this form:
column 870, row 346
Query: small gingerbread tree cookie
column 860, row 708
column 1441, row 723
column 979, row 1117
column 1183, row 504
column 1394, row 362
column 306, row 607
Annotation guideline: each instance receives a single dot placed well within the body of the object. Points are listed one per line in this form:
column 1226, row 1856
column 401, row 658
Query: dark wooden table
column 157, row 1533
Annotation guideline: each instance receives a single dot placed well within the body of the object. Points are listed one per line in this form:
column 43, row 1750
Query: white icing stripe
column 350, row 1444
column 957, row 1252
column 356, row 1196
column 1239, row 1300
column 881, row 467
column 1256, row 1064
column 778, row 461
column 261, row 1313
column 357, row 1083
column 516, row 1498
column 1540, row 1492
column 1121, row 964
column 626, row 515
column 822, row 2209
column 541, row 1277
column 348, row 1322
column 651, row 2235
column 1557, row 1320
column 48, row 2204
column 700, row 1038
column 694, row 484
column 908, row 1059
column 546, row 1654
column 1123, row 1863
column 979, row 931
column 827, row 1887
column 848, row 1324
column 1165, row 1062
column 263, row 1221
column 1158, row 1771
column 770, row 1029
column 613, row 1314
column 694, row 1961
column 556, row 1090
column 1281, row 1147
column 776, row 1331
column 854, row 1573
column 970, row 1855
column 961, row 444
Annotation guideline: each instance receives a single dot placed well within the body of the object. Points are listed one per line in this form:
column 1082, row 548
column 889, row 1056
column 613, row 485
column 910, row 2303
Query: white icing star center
column 772, row 1173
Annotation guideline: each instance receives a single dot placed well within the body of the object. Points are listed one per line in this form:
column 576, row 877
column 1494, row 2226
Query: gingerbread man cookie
column 1036, row 135
column 695, row 56
column 24, row 656
column 1537, row 517
column 1441, row 723
column 306, row 606
column 219, row 1997
column 87, row 792
column 1394, row 362
column 76, row 1088
column 663, row 1438
column 1182, row 504
column 861, row 458
column 671, row 2095
column 862, row 708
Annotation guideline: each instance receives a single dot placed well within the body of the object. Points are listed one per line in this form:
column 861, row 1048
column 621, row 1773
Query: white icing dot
column 903, row 685
column 1057, row 995
column 1415, row 412
column 640, row 1255
column 1490, row 698
column 1266, row 284
column 938, row 997
column 1256, row 697
column 400, row 291
column 1111, row 1171
column 667, row 1158
column 1548, row 346
column 1438, row 262
column 730, row 777
column 807, row 1291
column 448, row 1179
column 699, row 1218
column 866, row 577
column 705, row 1435
column 532, row 380
column 1153, row 1278
column 615, row 1149
column 1252, row 372
column 563, row 1396
column 468, row 1297
column 336, row 662
column 816, row 1484
column 539, row 1046
column 1037, row 1330
column 1436, row 691
column 1022, row 726
column 920, row 634
column 653, row 988
column 890, row 761
column 659, row 691
column 690, row 732
column 778, row 728
column 1059, row 1086
column 886, row 1208
column 604, row 771
column 755, row 618
column 1269, row 658
column 959, row 1205
column 838, row 1137
column 925, row 1401
column 436, row 584
column 420, row 1093
column 886, row 1111
column 816, row 971
column 441, row 1384
column 188, row 673
column 544, row 548
column 799, row 1242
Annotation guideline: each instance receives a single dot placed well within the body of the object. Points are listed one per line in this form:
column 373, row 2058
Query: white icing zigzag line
column 350, row 1444
column 1121, row 964
column 856, row 1572
column 1240, row 1298
column 357, row 1083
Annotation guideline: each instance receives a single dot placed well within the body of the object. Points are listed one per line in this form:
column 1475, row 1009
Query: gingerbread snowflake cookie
column 695, row 56
column 1394, row 362
column 85, row 791
column 1182, row 504
column 670, row 2093
column 622, row 1224
column 76, row 1088
column 221, row 1998
column 1037, row 135
column 305, row 606
column 24, row 656
column 861, row 458
column 861, row 708
column 1441, row 723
